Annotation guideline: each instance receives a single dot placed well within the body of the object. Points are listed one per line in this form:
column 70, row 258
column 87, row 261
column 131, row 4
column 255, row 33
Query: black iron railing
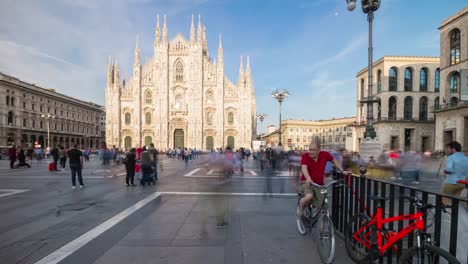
column 352, row 197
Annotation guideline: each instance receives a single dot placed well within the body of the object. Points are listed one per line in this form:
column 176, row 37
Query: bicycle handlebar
column 419, row 203
column 326, row 185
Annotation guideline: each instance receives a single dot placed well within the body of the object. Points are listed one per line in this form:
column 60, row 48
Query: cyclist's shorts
column 317, row 197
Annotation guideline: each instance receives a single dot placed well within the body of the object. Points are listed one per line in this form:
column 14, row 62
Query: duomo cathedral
column 180, row 97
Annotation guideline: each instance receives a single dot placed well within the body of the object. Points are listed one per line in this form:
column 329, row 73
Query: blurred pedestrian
column 76, row 165
column 130, row 162
column 62, row 157
column 12, row 154
column 455, row 170
column 22, row 159
column 146, row 168
column 55, row 155
column 154, row 160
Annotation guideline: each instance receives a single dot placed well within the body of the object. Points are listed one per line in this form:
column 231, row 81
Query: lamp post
column 368, row 7
column 280, row 96
column 261, row 117
column 48, row 117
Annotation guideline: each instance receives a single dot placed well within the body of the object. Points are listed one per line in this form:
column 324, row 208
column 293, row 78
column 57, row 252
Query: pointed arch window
column 128, row 119
column 408, row 108
column 231, row 118
column 179, row 71
column 148, row 118
column 392, row 80
column 437, row 80
column 423, row 80
column 379, row 81
column 423, row 108
column 148, row 97
column 408, row 80
column 455, row 46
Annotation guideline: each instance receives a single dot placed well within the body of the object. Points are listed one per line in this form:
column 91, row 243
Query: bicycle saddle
column 377, row 198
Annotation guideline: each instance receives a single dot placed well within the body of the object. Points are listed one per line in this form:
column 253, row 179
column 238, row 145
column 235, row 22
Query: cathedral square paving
column 173, row 222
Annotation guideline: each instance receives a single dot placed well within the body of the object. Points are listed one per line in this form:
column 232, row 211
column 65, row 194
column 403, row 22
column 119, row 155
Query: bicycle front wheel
column 326, row 242
column 356, row 250
column 427, row 254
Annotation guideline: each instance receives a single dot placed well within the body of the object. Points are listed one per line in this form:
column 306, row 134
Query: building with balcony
column 298, row 134
column 28, row 112
column 404, row 90
column 451, row 113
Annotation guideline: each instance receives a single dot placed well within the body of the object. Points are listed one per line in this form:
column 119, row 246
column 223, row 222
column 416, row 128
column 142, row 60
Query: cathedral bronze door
column 230, row 142
column 179, row 138
column 209, row 143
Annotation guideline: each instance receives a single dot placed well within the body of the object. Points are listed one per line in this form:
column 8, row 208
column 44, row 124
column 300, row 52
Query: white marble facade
column 180, row 97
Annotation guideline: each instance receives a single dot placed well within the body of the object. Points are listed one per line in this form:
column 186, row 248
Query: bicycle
column 311, row 216
column 364, row 237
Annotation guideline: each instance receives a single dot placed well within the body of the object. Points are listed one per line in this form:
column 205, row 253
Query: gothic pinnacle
column 192, row 32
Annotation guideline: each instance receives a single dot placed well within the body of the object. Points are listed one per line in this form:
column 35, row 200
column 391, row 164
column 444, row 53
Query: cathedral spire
column 241, row 72
column 192, row 32
column 248, row 74
column 137, row 51
column 110, row 73
column 205, row 42
column 247, row 68
column 116, row 74
column 164, row 35
column 199, row 30
column 158, row 32
column 220, row 50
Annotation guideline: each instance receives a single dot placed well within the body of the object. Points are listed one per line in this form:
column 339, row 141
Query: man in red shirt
column 313, row 165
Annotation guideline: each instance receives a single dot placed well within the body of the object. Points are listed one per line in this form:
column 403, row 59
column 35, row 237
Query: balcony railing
column 448, row 106
column 402, row 119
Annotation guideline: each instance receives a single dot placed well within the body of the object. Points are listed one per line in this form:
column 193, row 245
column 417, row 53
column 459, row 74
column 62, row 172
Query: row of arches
column 67, row 142
column 454, row 81
column 408, row 107
column 209, row 118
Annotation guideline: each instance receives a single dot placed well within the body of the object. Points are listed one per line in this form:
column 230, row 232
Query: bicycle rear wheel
column 326, row 242
column 427, row 254
column 356, row 251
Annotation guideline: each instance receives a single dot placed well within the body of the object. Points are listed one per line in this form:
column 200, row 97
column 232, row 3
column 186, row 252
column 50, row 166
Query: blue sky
column 313, row 48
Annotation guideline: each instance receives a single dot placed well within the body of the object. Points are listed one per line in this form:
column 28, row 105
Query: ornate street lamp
column 368, row 7
column 261, row 117
column 280, row 96
column 48, row 117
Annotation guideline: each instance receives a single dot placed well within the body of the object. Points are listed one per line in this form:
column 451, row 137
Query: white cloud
column 353, row 45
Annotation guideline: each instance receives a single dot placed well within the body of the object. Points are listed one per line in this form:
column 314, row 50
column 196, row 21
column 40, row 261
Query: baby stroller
column 147, row 173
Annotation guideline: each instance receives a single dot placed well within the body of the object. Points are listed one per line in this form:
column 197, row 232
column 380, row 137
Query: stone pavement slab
column 184, row 230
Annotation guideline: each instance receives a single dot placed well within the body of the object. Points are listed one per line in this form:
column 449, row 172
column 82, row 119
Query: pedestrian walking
column 146, row 168
column 55, row 156
column 455, row 170
column 154, row 160
column 22, row 159
column 62, row 157
column 12, row 155
column 76, row 165
column 130, row 162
